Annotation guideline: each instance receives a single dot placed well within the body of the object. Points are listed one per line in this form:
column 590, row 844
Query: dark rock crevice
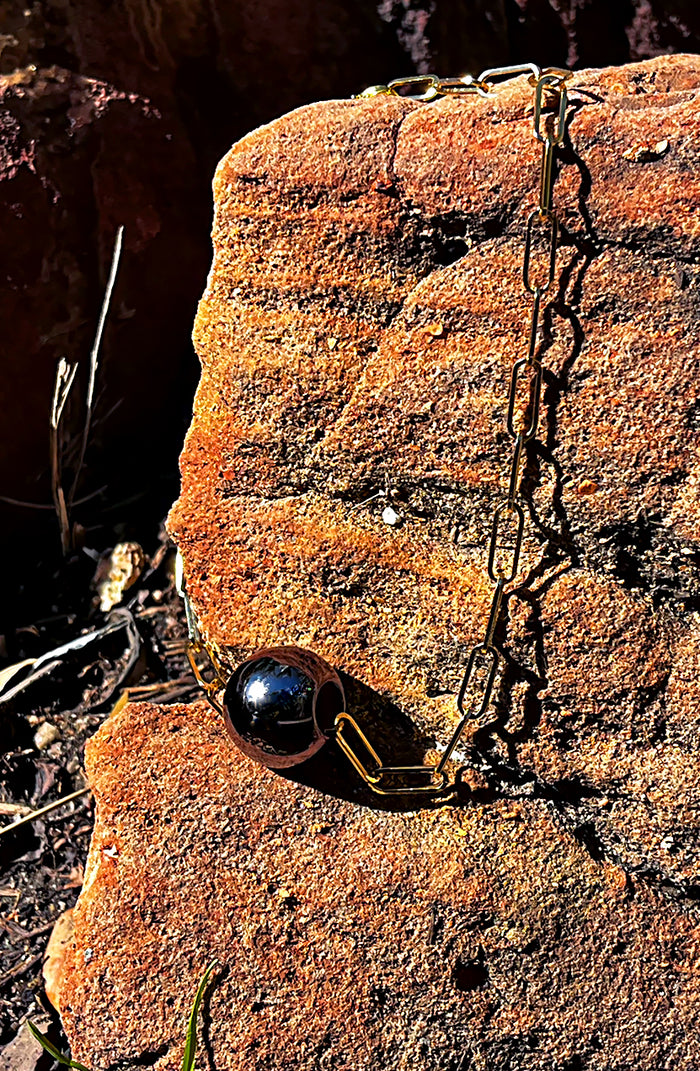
column 147, row 1058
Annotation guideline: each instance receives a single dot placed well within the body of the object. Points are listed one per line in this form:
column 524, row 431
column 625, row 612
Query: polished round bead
column 272, row 705
column 280, row 704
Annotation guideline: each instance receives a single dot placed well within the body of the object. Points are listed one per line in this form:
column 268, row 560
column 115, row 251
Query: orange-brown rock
column 363, row 313
column 55, row 956
column 211, row 70
column 352, row 937
column 362, row 316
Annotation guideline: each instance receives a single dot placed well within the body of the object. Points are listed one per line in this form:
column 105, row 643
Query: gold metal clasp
column 550, row 262
column 437, row 781
column 533, row 403
column 562, row 74
column 495, row 567
column 491, row 658
column 427, row 87
column 371, row 777
column 374, row 91
column 462, row 87
column 210, row 686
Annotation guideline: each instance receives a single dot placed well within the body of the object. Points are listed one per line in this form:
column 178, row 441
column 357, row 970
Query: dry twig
column 33, row 815
column 63, row 383
column 90, row 399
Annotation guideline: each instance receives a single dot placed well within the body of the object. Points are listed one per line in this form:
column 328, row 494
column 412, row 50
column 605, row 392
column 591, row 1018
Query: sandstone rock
column 395, row 231
column 55, row 956
column 351, row 936
column 360, row 322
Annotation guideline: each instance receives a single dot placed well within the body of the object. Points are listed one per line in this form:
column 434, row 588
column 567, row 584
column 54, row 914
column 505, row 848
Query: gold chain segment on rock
column 429, row 87
column 522, row 419
column 509, row 518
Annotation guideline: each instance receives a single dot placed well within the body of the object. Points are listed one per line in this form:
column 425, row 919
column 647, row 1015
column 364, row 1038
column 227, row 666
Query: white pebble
column 45, row 735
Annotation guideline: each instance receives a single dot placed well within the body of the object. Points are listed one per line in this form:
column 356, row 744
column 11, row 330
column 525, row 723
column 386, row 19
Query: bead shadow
column 397, row 740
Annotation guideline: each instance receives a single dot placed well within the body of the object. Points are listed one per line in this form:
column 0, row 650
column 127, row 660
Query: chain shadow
column 397, row 740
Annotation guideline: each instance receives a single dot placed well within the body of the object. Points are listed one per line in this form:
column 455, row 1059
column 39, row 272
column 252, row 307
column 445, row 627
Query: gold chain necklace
column 283, row 703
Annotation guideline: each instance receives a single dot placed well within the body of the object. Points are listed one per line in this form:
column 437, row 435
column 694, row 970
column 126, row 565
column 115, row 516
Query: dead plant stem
column 94, row 353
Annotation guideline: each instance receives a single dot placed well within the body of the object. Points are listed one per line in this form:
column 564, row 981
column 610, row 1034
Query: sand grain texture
column 352, row 937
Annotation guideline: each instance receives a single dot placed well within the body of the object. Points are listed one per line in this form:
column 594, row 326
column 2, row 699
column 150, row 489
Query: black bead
column 273, row 704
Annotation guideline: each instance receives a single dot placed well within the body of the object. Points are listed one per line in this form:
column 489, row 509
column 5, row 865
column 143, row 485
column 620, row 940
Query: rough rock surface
column 351, row 937
column 362, row 315
column 55, row 955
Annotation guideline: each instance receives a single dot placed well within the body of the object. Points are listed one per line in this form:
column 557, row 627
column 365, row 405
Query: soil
column 42, row 862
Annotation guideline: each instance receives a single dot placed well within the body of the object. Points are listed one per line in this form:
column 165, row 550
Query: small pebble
column 643, row 154
column 45, row 735
column 390, row 516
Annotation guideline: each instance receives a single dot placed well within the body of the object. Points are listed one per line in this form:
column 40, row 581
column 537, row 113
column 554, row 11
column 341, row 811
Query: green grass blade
column 191, row 1039
column 51, row 1049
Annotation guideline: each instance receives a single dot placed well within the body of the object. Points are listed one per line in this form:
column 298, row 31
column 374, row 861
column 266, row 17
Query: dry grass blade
column 63, row 384
column 65, row 375
column 139, row 692
column 7, row 674
column 190, row 1040
column 14, row 808
column 94, row 352
column 33, row 815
